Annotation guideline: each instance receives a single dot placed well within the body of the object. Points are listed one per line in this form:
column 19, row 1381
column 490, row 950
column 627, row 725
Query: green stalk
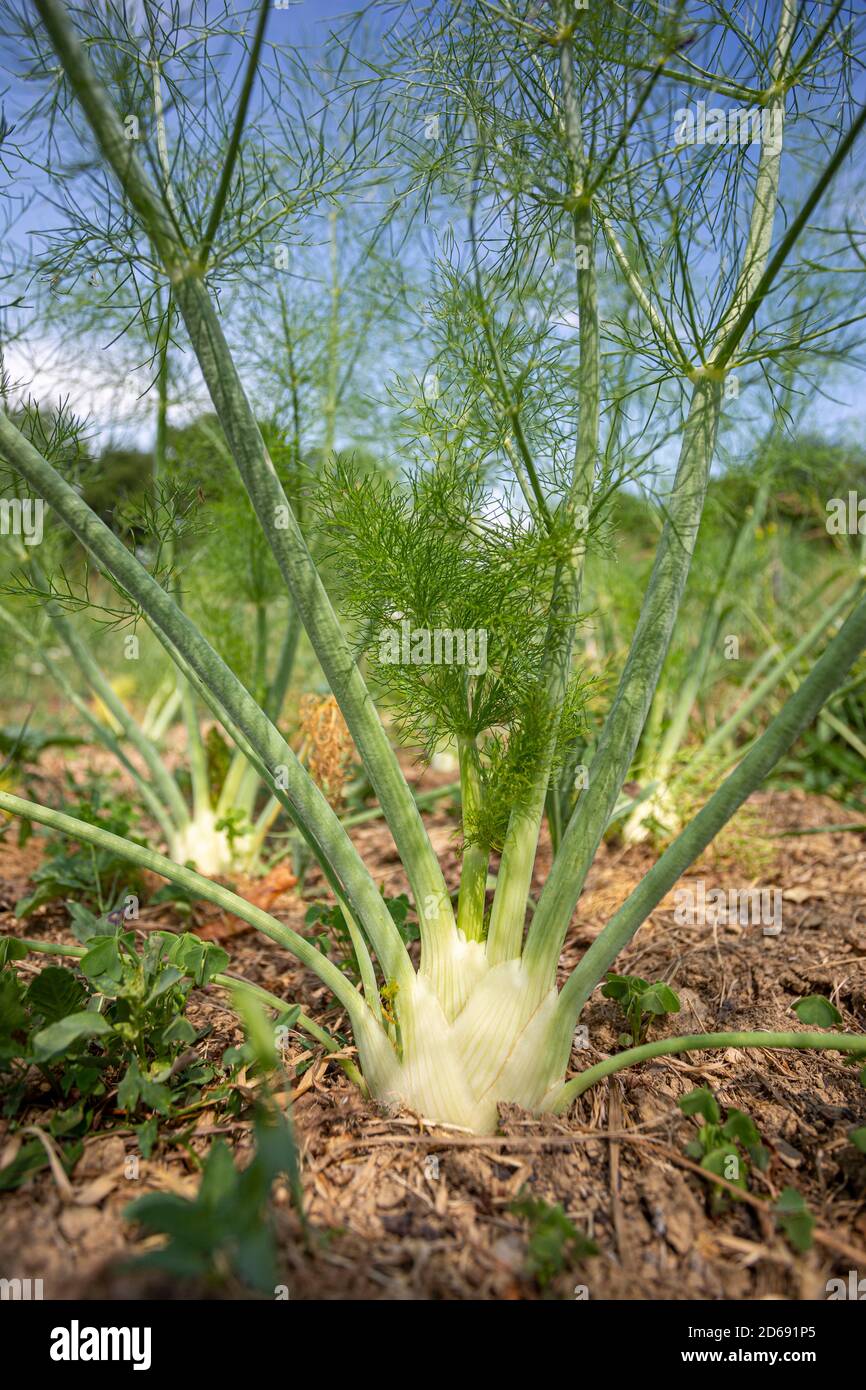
column 652, row 637
column 505, row 938
column 160, row 127
column 245, row 793
column 695, row 1042
column 473, row 874
column 161, row 438
column 765, row 281
column 508, row 914
column 235, row 138
column 365, row 965
column 658, row 769
column 285, row 666
column 652, row 734
column 261, row 655
column 238, row 769
column 195, row 749
column 160, row 716
column 197, row 757
column 241, row 782
column 263, row 824
column 748, row 290
column 709, row 636
column 795, row 716
column 556, row 808
column 196, row 753
column 625, row 721
column 268, row 498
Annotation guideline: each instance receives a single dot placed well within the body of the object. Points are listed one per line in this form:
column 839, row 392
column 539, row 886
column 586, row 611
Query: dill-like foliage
column 442, row 552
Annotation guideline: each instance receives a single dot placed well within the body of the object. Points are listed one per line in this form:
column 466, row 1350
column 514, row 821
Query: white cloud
column 96, row 386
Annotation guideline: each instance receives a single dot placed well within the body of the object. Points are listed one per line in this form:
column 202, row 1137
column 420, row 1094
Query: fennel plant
column 541, row 156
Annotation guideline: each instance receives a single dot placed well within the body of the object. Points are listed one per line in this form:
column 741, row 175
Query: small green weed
column 555, row 1243
column 640, row 1002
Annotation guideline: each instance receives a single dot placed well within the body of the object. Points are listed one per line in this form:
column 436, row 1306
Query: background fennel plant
column 515, row 460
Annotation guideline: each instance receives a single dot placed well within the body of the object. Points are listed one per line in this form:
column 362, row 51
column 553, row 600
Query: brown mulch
column 404, row 1210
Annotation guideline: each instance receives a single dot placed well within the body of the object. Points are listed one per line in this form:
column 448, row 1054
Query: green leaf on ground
column 818, row 1011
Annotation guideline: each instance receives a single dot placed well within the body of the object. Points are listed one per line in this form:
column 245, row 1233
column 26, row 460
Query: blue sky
column 306, row 25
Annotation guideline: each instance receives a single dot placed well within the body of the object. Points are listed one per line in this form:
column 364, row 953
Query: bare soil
column 401, row 1209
